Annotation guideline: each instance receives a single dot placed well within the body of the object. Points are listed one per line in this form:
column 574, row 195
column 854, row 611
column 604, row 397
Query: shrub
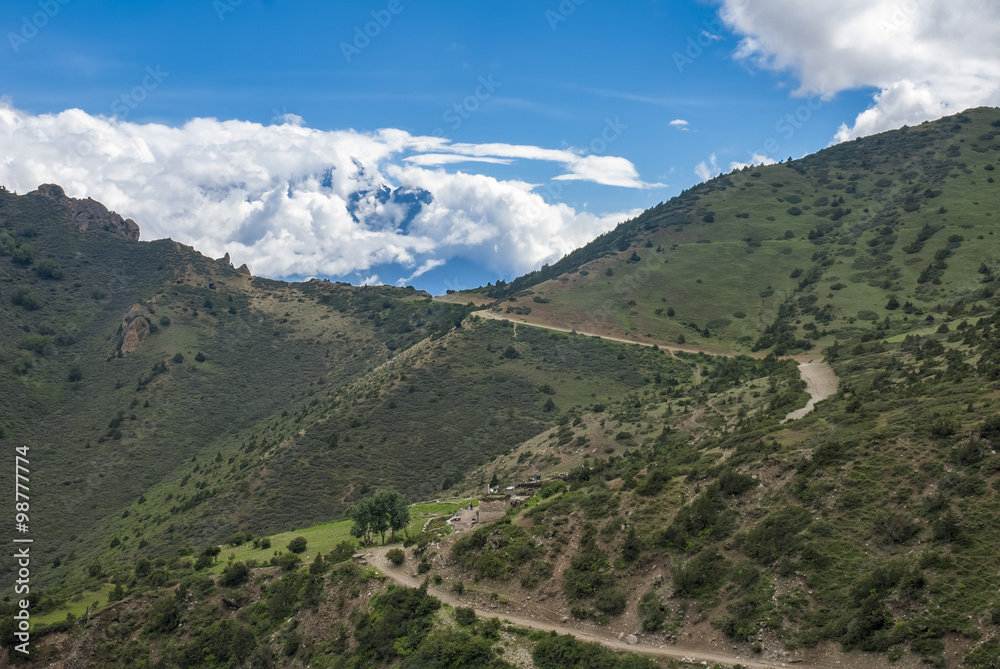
column 287, row 561
column 49, row 269
column 701, row 576
column 341, row 552
column 297, row 545
column 611, row 601
column 465, row 616
column 777, row 534
column 200, row 357
column 652, row 612
column 75, row 373
column 164, row 615
column 24, row 254
column 235, row 574
column 396, row 556
column 25, row 299
column 40, row 344
column 178, row 358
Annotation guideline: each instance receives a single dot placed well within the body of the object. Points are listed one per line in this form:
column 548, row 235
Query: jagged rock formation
column 135, row 328
column 90, row 212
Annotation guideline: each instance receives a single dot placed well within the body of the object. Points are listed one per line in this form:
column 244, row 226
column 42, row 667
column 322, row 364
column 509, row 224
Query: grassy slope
column 98, row 443
column 742, row 262
column 870, row 524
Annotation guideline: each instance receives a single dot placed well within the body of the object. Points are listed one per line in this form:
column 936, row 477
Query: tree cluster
column 384, row 511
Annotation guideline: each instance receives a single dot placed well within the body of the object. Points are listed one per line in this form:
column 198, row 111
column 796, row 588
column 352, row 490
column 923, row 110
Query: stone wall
column 492, row 507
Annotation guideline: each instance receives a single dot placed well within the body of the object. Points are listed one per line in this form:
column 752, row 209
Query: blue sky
column 245, row 126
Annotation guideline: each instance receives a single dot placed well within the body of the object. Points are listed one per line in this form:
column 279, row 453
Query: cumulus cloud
column 707, row 169
column 290, row 200
column 755, row 159
column 679, row 123
column 926, row 58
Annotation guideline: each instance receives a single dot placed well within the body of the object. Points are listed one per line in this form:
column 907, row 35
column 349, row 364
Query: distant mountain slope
column 797, row 253
column 121, row 361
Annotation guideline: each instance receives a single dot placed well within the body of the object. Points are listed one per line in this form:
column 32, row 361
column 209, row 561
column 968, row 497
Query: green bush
column 49, row 269
column 396, row 556
column 341, row 552
column 287, row 561
column 652, row 612
column 776, row 535
column 235, row 574
column 25, row 299
column 985, row 656
column 702, row 576
column 611, row 601
column 297, row 545
column 465, row 616
column 39, row 344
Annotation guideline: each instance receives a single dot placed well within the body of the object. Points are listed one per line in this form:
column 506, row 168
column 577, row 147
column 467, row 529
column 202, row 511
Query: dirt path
column 377, row 559
column 821, row 380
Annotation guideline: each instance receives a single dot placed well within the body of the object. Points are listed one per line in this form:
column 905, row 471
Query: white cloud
column 680, row 124
column 435, row 159
column 279, row 197
column 926, row 58
column 423, row 269
column 606, row 170
column 707, row 170
column 755, row 159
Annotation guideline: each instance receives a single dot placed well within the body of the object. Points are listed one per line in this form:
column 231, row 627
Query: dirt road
column 401, row 575
column 821, row 380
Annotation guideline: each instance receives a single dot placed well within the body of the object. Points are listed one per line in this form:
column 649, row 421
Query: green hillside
column 797, row 254
column 179, row 446
column 224, row 351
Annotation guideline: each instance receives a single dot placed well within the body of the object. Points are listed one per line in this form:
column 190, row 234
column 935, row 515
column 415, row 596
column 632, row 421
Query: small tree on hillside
column 385, row 511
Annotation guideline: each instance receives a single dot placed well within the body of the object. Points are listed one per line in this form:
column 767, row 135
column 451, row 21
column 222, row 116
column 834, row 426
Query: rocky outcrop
column 243, row 269
column 91, row 213
column 135, row 328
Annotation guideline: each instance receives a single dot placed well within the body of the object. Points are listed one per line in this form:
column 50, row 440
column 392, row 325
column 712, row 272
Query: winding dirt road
column 821, row 381
column 377, row 559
